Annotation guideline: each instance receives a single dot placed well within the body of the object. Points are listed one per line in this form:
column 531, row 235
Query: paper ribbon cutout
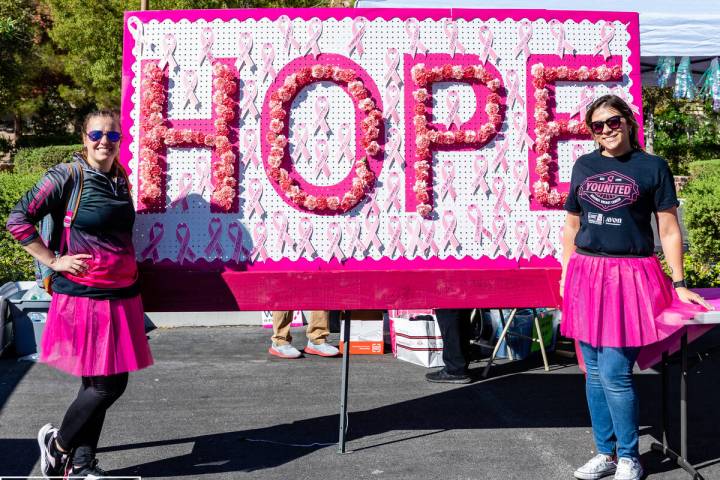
column 521, row 235
column 259, row 239
column 587, row 95
column 215, row 232
column 280, row 222
column 372, row 224
column 394, row 192
column 321, row 108
column 499, row 190
column 236, row 237
column 249, row 94
column 476, row 218
column 522, row 137
column 525, row 31
column 413, row 229
column 452, row 100
column 268, row 57
column 412, row 29
column 359, row 25
column 427, row 230
column 498, row 245
column 514, row 90
column 344, row 149
column 156, row 234
column 392, row 61
column 305, row 228
column 250, row 142
column 207, row 38
column 137, row 31
column 253, row 203
column 447, row 179
column 314, row 30
column 300, row 138
column 185, row 251
column 500, row 156
column 557, row 30
column 392, row 93
column 449, row 224
column 356, row 243
column 245, row 44
column 607, row 32
column 167, row 52
column 542, row 227
column 392, row 148
column 189, row 80
column 619, row 91
column 321, row 155
column 202, row 172
column 184, row 189
column 486, row 40
column 577, row 151
column 520, row 175
column 334, row 236
column 480, row 168
column 451, row 31
column 286, row 30
column 395, row 232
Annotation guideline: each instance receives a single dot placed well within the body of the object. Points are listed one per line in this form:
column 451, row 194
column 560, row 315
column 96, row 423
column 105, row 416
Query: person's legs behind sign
column 317, row 333
column 455, row 331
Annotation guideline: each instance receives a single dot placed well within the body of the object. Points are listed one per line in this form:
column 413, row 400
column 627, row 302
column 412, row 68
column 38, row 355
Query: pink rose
column 420, row 95
column 423, row 209
column 333, row 203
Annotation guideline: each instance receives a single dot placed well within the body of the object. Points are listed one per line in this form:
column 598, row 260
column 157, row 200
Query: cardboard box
column 366, row 337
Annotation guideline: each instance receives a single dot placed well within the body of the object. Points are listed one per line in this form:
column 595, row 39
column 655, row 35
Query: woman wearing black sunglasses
column 613, row 286
column 95, row 326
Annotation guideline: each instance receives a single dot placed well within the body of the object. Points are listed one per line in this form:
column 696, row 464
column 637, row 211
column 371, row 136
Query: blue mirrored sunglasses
column 96, row 135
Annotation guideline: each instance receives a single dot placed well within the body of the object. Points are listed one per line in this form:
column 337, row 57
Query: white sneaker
column 322, row 349
column 628, row 469
column 284, row 351
column 597, row 467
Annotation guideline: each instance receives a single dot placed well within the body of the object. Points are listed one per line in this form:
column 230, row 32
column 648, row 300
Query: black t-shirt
column 615, row 197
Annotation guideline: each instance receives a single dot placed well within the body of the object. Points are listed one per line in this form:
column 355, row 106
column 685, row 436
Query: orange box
column 366, row 336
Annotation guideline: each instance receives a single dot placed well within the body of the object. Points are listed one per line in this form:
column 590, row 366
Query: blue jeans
column 612, row 399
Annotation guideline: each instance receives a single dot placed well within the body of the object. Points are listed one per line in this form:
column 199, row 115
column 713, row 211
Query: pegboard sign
column 299, row 140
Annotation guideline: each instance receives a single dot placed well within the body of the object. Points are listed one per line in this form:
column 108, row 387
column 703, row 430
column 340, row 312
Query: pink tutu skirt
column 620, row 302
column 90, row 337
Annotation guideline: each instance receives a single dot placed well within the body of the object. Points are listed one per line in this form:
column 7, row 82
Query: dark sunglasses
column 96, row 135
column 613, row 123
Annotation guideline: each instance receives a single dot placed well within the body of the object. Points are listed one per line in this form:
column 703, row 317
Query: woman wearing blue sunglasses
column 95, row 326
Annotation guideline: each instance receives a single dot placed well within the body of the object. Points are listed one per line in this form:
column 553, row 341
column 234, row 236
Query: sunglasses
column 96, row 135
column 613, row 123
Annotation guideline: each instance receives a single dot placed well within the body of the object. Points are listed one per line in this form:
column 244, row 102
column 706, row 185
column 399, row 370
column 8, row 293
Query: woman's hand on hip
column 73, row 264
column 688, row 296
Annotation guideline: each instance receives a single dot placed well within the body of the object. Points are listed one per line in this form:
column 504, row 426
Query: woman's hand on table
column 688, row 296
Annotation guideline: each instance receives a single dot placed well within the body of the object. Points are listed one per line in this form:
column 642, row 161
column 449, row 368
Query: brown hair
column 616, row 103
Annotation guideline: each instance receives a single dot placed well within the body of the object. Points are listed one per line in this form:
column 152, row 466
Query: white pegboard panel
column 335, row 38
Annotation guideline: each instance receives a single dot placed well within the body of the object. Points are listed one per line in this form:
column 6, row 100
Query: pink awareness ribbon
column 557, row 30
column 427, row 230
column 286, row 30
column 520, row 175
column 334, row 236
column 412, row 29
column 392, row 149
column 185, row 251
column 449, row 224
column 520, row 124
column 500, row 156
column 259, row 239
column 250, row 142
column 587, row 95
column 499, row 190
column 267, row 53
column 413, row 229
column 447, row 178
column 167, row 51
column 356, row 243
column 359, row 24
column 280, row 222
column 300, row 138
column 392, row 60
column 215, row 232
column 321, row 108
column 236, row 236
column 498, row 245
column 521, row 235
column 525, row 32
column 245, row 44
column 202, row 172
column 184, row 189
column 395, row 232
column 452, row 100
column 607, row 32
column 514, row 90
column 136, row 30
column 394, row 193
column 253, row 205
column 372, row 224
column 619, row 91
column 451, row 31
column 314, row 30
column 156, row 235
column 486, row 40
column 392, row 93
column 249, row 94
column 476, row 218
column 305, row 228
column 207, row 38
column 189, row 81
column 321, row 154
column 480, row 168
column 577, row 151
column 344, row 149
column 542, row 227
column 372, row 208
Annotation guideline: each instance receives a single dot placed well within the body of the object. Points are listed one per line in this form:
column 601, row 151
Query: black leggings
column 83, row 422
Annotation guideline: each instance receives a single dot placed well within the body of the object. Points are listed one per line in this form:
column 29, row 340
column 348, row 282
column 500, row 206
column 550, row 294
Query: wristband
column 679, row 284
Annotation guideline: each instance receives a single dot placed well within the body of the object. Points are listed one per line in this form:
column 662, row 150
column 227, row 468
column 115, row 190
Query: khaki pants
column 317, row 329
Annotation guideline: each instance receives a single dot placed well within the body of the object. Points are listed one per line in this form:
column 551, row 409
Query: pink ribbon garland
column 514, row 90
column 344, row 149
column 167, row 51
column 394, row 193
column 259, row 239
column 334, row 236
column 392, row 148
column 498, row 245
column 520, row 124
column 207, row 38
column 356, row 243
column 521, row 235
column 392, row 93
column 451, row 31
column 359, row 25
column 185, row 251
column 268, row 57
column 184, row 189
column 156, row 235
column 619, row 91
column 300, row 138
column 452, row 100
column 202, row 172
column 499, row 190
column 249, row 94
column 321, row 154
column 525, row 31
column 577, row 151
column 607, row 32
column 557, row 30
column 395, row 232
column 286, row 30
column 321, row 108
column 480, row 168
column 587, row 95
column 305, row 229
column 245, row 44
column 447, row 178
column 250, row 142
column 280, row 222
column 253, row 203
column 215, row 232
column 412, row 29
column 239, row 250
column 392, row 60
column 476, row 218
column 500, row 156
column 542, row 227
column 314, row 31
column 189, row 79
column 427, row 230
column 520, row 175
column 486, row 40
column 449, row 224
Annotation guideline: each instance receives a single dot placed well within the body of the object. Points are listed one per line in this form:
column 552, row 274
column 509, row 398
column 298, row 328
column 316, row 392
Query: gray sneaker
column 322, row 349
column 628, row 469
column 597, row 467
column 284, row 351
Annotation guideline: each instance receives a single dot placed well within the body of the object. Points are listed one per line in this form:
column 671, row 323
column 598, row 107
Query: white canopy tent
column 667, row 27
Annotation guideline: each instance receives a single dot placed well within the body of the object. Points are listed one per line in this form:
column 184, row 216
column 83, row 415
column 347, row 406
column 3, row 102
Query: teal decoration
column 664, row 68
column 684, row 84
column 710, row 84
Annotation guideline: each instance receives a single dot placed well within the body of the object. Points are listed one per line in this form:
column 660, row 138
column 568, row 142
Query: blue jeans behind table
column 612, row 399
